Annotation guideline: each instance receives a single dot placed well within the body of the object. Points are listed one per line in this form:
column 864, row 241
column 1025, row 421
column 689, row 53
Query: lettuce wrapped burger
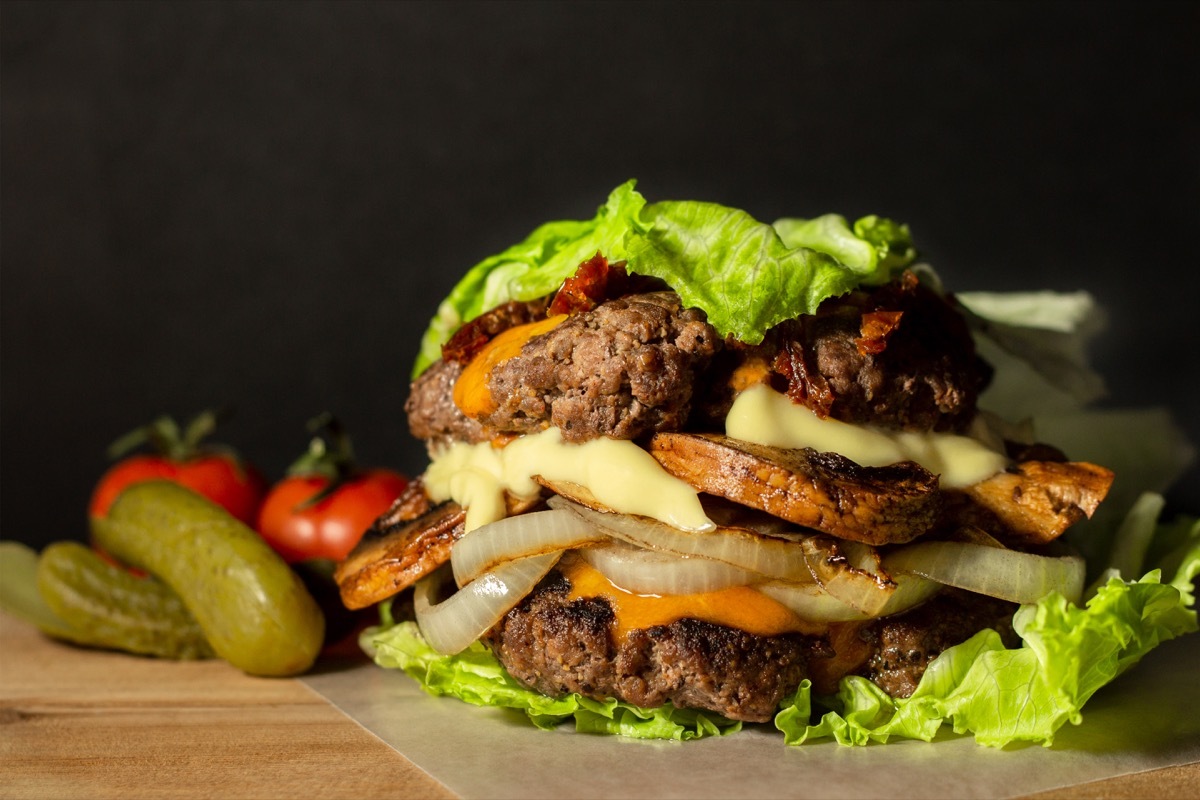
column 690, row 470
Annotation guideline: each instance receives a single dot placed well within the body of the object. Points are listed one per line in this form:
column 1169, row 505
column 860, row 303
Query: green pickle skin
column 253, row 609
column 115, row 609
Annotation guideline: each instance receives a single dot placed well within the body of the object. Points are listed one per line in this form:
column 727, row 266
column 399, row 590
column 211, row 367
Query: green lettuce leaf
column 1003, row 696
column 745, row 274
column 874, row 248
column 749, row 276
column 1037, row 344
column 476, row 677
column 534, row 267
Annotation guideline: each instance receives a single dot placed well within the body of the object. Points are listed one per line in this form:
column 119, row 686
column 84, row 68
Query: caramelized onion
column 1007, row 574
column 451, row 625
column 488, row 546
column 810, row 601
column 739, row 547
column 643, row 571
column 851, row 572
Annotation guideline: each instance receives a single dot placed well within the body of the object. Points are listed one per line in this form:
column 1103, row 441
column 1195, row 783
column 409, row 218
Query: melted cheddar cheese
column 738, row 607
column 471, row 393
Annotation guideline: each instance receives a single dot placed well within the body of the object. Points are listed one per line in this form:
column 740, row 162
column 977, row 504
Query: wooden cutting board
column 78, row 723
column 84, row 723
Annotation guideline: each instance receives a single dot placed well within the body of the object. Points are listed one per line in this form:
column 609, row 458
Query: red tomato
column 221, row 478
column 178, row 455
column 330, row 527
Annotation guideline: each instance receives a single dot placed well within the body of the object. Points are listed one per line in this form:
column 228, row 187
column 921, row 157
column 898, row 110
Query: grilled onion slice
column 739, row 547
column 851, row 572
column 997, row 572
column 451, row 625
column 643, row 571
column 537, row 532
column 811, row 602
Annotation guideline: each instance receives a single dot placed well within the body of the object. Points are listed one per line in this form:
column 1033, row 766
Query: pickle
column 254, row 610
column 116, row 609
column 20, row 597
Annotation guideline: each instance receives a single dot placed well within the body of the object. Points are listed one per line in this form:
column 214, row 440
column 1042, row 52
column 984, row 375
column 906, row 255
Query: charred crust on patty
column 624, row 369
column 557, row 645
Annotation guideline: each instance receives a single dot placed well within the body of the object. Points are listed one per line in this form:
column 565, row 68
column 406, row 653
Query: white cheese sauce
column 626, row 478
column 620, row 474
column 764, row 416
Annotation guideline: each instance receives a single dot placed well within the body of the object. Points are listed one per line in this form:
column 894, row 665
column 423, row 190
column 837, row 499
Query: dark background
column 260, row 204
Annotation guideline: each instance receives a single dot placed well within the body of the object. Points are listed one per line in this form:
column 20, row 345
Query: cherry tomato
column 330, row 527
column 216, row 473
column 325, row 504
column 220, row 478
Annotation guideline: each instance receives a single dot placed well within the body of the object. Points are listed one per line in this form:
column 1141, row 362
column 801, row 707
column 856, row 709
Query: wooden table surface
column 78, row 723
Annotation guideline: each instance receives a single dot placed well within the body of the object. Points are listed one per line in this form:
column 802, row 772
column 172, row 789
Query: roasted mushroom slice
column 824, row 491
column 1032, row 503
column 391, row 557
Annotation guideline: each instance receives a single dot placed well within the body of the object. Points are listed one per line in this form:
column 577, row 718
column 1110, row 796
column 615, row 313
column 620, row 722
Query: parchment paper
column 1148, row 718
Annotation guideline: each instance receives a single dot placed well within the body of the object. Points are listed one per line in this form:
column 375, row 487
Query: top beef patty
column 899, row 356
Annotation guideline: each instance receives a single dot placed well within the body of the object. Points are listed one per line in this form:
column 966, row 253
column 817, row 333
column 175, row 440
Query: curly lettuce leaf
column 874, row 248
column 1003, row 696
column 749, row 276
column 1037, row 344
column 746, row 275
column 534, row 267
column 476, row 677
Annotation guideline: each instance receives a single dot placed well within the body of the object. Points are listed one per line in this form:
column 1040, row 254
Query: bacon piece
column 797, row 364
column 874, row 329
column 825, row 491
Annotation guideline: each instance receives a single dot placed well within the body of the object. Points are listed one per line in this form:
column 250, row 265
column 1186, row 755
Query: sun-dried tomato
column 468, row 340
column 595, row 281
column 875, row 328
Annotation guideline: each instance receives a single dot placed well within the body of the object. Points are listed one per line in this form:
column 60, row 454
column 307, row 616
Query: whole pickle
column 20, row 597
column 254, row 611
column 114, row 608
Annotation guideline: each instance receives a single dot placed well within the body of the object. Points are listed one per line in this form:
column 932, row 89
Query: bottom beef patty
column 557, row 646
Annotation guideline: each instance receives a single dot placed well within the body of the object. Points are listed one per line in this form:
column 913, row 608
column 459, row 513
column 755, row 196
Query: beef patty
column 899, row 356
column 557, row 646
column 623, row 369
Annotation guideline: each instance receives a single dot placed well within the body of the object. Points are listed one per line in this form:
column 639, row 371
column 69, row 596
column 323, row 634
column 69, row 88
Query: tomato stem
column 166, row 438
column 330, row 455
